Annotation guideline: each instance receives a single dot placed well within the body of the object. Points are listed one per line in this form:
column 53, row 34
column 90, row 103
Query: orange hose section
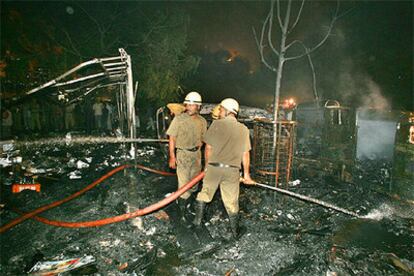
column 39, row 210
column 147, row 210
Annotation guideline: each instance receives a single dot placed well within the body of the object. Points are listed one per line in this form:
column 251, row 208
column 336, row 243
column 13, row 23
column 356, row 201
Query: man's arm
column 207, row 154
column 246, row 168
column 172, row 162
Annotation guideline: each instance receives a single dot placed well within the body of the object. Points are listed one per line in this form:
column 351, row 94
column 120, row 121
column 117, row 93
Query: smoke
column 374, row 98
column 359, row 89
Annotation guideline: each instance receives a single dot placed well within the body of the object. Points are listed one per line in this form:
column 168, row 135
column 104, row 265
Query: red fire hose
column 147, row 210
column 108, row 220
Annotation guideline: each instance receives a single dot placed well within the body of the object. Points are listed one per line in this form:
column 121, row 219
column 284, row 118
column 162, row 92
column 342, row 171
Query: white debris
column 294, row 182
column 5, row 162
column 36, row 171
column 68, row 138
column 291, row 217
column 118, row 133
column 138, row 223
column 17, row 159
column 104, row 243
column 8, row 147
column 71, row 163
column 214, row 219
column 132, row 153
column 108, row 243
column 161, row 253
column 150, row 231
column 74, row 175
column 88, row 159
column 81, row 165
column 149, row 245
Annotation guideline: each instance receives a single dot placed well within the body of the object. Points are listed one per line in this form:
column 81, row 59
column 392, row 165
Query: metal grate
column 272, row 160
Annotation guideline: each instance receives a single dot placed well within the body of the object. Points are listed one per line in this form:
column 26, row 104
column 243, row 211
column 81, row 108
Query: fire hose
column 149, row 209
column 105, row 221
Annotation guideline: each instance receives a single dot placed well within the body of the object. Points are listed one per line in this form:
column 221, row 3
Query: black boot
column 234, row 225
column 199, row 212
column 182, row 205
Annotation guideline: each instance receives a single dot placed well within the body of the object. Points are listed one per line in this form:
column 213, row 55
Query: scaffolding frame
column 273, row 164
column 111, row 71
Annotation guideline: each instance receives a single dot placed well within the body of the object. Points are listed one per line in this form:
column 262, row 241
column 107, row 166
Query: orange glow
column 289, row 103
column 233, row 54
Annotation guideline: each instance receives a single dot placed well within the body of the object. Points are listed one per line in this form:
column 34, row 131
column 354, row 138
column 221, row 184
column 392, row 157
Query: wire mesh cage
column 272, row 158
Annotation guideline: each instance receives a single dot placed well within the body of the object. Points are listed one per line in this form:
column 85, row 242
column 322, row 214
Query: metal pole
column 83, row 140
column 309, row 199
column 130, row 101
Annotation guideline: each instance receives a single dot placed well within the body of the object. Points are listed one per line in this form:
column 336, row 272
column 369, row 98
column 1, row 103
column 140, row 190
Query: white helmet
column 193, row 98
column 231, row 105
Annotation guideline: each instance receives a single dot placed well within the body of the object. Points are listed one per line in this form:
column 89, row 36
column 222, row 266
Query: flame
column 289, row 103
column 233, row 54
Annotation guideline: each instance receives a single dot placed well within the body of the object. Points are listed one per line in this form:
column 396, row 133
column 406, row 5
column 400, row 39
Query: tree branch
column 334, row 19
column 269, row 33
column 278, row 13
column 297, row 17
column 260, row 48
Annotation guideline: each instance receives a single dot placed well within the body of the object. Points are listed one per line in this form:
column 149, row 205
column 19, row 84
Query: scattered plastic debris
column 17, row 187
column 57, row 267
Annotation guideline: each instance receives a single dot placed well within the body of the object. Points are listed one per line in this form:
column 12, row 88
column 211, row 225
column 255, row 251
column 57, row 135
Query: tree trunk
column 280, row 65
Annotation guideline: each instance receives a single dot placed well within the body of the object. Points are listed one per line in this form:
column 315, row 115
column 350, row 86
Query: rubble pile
column 282, row 235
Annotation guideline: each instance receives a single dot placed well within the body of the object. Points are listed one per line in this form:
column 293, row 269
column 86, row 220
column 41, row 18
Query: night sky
column 367, row 60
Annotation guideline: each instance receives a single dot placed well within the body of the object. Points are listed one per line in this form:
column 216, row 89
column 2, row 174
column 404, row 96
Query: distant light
column 70, row 10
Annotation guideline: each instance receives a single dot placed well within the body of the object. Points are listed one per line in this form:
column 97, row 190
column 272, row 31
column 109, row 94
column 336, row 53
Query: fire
column 233, row 54
column 289, row 103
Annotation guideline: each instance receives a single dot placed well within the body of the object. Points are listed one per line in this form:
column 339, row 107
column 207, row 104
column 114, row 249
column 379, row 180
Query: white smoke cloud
column 359, row 89
column 374, row 98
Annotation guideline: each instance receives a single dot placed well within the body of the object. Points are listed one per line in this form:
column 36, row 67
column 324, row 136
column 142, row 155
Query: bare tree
column 286, row 24
column 265, row 43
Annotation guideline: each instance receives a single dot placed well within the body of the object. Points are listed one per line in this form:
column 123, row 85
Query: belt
column 191, row 149
column 221, row 165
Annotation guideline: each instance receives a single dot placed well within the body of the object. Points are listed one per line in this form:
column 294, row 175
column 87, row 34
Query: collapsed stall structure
column 93, row 76
column 353, row 145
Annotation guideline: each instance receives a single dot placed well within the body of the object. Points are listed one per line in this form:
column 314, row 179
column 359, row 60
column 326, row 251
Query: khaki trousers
column 188, row 166
column 229, row 181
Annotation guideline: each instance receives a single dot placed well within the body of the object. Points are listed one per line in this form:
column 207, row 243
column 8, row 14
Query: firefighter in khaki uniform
column 185, row 140
column 227, row 147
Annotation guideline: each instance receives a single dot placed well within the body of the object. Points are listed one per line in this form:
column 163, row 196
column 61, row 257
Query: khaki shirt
column 229, row 139
column 187, row 130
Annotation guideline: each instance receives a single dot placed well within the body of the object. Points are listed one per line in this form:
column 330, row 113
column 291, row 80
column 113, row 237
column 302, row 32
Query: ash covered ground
column 283, row 236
